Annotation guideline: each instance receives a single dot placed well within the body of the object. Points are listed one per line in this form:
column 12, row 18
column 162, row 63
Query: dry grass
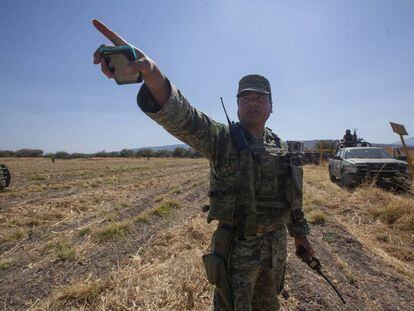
column 13, row 234
column 56, row 215
column 167, row 275
column 159, row 199
column 45, row 195
column 177, row 190
column 410, row 152
column 165, row 208
column 5, row 263
column 83, row 204
column 76, row 295
column 112, row 231
column 85, row 231
column 380, row 218
column 142, row 218
column 347, row 271
column 62, row 250
column 317, row 217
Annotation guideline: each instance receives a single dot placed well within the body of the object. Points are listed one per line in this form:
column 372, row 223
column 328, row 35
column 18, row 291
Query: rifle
column 315, row 265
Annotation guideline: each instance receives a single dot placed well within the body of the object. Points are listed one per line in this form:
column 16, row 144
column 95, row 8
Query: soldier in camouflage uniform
column 254, row 193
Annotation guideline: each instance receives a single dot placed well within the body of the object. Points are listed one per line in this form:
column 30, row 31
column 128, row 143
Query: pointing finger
column 112, row 36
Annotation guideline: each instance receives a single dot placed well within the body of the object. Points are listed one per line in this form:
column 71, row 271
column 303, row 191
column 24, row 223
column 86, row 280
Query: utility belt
column 260, row 230
column 253, row 229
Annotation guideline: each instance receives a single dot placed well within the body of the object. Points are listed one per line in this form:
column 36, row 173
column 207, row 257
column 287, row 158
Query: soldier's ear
column 271, row 103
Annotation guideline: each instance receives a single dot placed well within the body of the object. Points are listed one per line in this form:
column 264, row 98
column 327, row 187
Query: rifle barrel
column 336, row 291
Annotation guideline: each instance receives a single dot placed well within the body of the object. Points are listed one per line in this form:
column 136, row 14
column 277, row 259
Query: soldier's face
column 254, row 108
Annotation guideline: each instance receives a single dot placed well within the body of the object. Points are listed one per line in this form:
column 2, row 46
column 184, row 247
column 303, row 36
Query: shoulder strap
column 239, row 140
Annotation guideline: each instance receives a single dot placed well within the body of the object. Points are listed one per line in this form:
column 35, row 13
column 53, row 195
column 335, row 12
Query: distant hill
column 408, row 142
column 307, row 144
column 166, row 147
column 311, row 143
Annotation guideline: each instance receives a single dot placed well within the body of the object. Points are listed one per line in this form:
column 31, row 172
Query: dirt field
column 128, row 234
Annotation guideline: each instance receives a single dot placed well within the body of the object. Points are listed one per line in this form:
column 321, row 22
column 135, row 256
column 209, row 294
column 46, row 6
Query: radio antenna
column 227, row 116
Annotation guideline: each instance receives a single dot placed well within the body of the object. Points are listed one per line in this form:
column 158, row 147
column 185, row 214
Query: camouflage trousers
column 256, row 269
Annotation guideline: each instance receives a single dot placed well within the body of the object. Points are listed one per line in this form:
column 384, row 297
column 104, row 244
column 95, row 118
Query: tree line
column 178, row 152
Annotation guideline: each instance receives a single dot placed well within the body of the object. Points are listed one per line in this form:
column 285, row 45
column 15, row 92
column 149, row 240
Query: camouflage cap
column 255, row 83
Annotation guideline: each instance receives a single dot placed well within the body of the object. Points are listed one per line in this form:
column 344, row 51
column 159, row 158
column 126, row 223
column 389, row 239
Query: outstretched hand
column 144, row 65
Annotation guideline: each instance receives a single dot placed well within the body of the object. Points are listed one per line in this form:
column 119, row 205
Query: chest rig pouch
column 228, row 181
column 249, row 185
column 271, row 181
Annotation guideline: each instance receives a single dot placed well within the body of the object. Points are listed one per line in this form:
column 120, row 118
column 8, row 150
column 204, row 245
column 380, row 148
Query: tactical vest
column 247, row 186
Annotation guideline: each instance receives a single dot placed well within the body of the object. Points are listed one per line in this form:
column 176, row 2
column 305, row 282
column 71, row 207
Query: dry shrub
column 401, row 252
column 142, row 218
column 14, row 234
column 383, row 205
column 408, row 223
column 388, row 214
column 62, row 250
column 317, row 217
column 76, row 295
column 165, row 208
column 347, row 271
column 383, row 237
column 5, row 263
column 112, row 231
column 85, row 231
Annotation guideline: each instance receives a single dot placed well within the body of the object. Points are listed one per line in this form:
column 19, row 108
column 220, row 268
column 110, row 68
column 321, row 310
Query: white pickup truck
column 353, row 165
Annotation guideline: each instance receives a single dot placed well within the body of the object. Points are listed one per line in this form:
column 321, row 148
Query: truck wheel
column 6, row 175
column 331, row 176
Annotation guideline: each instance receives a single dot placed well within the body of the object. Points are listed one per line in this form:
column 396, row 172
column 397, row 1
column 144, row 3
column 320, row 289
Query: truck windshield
column 371, row 153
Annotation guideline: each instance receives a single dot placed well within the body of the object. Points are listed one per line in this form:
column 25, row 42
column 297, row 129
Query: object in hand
column 315, row 265
column 118, row 58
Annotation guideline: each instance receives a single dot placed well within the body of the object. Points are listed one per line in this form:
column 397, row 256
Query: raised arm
column 162, row 102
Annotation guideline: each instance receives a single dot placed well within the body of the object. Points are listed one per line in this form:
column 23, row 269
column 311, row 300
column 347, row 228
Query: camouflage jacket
column 228, row 183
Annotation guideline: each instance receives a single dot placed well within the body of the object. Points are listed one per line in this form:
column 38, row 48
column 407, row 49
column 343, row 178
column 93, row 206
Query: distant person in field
column 254, row 195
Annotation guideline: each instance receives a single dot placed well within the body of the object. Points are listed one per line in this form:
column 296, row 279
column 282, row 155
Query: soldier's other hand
column 304, row 242
column 143, row 64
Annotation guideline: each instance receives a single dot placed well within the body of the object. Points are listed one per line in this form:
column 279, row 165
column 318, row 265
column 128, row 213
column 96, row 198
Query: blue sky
column 332, row 65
